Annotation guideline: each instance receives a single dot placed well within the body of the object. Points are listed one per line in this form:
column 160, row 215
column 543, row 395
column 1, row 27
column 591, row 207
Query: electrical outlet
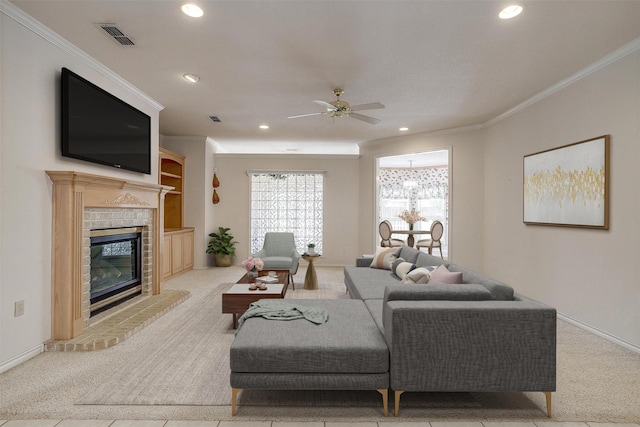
column 18, row 309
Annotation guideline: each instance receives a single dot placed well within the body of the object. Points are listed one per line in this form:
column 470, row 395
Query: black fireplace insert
column 116, row 267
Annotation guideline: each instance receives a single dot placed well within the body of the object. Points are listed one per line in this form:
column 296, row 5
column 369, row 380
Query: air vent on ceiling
column 116, row 34
column 215, row 119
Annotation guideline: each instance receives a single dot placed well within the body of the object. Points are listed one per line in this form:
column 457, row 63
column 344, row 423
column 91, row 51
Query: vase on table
column 252, row 275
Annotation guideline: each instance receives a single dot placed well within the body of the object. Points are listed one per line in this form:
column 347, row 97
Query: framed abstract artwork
column 568, row 186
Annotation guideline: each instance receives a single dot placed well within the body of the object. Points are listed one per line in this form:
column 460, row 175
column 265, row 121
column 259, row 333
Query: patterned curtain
column 423, row 189
column 287, row 201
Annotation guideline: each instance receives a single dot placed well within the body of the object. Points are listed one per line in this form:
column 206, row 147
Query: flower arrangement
column 411, row 217
column 253, row 264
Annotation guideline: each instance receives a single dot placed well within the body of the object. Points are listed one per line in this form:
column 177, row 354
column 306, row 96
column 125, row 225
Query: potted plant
column 222, row 246
column 311, row 248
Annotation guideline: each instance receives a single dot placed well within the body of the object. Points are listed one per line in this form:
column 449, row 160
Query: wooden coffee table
column 237, row 299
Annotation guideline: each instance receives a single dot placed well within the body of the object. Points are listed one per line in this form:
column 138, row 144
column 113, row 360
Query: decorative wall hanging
column 216, row 183
column 568, row 186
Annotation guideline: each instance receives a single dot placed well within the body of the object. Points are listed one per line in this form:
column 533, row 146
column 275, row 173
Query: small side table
column 311, row 278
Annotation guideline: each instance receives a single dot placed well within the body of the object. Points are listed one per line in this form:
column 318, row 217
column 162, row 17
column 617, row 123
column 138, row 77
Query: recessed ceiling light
column 403, row 129
column 193, row 78
column 264, row 127
column 510, row 11
column 192, row 10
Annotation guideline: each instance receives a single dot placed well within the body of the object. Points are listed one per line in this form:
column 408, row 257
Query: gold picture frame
column 568, row 186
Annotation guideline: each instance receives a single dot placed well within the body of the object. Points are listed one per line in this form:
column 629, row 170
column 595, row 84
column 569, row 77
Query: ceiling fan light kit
column 340, row 108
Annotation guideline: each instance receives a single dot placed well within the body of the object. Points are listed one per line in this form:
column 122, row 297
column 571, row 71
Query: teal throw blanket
column 274, row 309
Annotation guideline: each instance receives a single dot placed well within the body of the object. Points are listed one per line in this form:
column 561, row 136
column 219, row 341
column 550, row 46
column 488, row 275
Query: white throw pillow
column 403, row 269
column 418, row 276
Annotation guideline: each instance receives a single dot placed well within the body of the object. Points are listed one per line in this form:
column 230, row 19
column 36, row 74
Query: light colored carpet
column 177, row 368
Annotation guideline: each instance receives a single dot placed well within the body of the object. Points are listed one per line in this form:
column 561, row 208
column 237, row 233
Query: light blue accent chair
column 279, row 253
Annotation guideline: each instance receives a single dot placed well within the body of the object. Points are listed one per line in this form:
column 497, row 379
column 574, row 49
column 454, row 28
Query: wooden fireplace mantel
column 72, row 193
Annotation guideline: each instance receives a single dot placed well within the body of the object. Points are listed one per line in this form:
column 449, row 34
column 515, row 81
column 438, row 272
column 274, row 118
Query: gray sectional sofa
column 474, row 336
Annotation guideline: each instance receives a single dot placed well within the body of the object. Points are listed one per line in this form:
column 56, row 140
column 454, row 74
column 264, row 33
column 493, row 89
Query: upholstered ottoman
column 347, row 352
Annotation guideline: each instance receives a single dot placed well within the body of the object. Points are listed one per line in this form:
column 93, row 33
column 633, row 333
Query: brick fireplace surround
column 82, row 202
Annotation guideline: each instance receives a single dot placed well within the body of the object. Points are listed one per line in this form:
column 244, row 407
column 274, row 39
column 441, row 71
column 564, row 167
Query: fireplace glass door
column 115, row 267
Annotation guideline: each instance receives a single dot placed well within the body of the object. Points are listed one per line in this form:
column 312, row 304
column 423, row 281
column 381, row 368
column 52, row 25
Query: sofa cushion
column 442, row 276
column 277, row 263
column 446, row 292
column 368, row 283
column 349, row 342
column 499, row 290
column 409, row 254
column 425, row 260
column 384, row 257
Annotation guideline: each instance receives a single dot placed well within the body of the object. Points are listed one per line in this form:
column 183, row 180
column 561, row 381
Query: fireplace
column 84, row 202
column 115, row 267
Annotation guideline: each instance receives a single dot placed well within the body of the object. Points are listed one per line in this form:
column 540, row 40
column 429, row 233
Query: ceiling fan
column 339, row 108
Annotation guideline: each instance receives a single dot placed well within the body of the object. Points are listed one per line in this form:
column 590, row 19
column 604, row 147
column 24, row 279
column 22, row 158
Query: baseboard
column 599, row 333
column 21, row 358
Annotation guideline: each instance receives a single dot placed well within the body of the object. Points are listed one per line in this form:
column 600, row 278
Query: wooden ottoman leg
column 234, row 398
column 396, row 409
column 548, row 395
column 385, row 400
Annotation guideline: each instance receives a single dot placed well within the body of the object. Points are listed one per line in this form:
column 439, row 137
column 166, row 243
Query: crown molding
column 611, row 58
column 614, row 56
column 47, row 34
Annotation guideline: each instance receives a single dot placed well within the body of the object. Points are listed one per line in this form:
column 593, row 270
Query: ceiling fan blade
column 326, row 105
column 364, row 118
column 305, row 115
column 371, row 106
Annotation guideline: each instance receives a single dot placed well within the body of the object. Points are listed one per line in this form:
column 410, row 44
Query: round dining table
column 411, row 233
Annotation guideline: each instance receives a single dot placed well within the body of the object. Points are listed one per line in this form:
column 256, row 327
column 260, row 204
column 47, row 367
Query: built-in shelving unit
column 178, row 239
column 172, row 174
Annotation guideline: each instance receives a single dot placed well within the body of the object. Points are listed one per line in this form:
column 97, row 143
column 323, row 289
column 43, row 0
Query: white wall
column 341, row 210
column 30, row 145
column 589, row 275
column 466, row 219
column 198, row 191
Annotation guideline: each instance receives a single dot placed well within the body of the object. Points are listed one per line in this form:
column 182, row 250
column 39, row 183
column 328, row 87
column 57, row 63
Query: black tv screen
column 100, row 128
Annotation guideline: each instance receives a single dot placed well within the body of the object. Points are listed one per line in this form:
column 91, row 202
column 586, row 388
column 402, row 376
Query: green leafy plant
column 311, row 245
column 222, row 243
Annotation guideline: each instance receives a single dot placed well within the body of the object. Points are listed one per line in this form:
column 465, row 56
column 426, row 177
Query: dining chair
column 385, row 229
column 437, row 230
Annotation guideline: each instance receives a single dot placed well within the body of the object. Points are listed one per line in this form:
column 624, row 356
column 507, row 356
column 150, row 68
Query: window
column 287, row 201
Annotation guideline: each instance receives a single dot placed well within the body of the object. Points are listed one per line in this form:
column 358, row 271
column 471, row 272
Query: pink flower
column 252, row 263
column 411, row 216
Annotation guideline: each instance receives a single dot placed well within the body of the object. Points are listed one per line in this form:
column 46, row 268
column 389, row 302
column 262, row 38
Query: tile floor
column 164, row 423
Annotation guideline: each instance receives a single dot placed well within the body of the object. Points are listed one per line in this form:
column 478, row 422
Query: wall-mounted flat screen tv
column 100, row 128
